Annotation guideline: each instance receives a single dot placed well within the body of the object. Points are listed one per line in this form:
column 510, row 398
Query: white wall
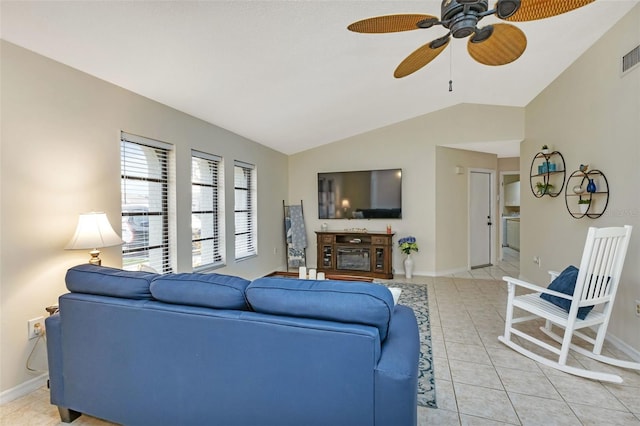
column 410, row 145
column 592, row 116
column 60, row 156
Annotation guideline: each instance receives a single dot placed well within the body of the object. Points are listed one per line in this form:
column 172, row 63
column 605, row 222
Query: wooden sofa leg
column 67, row 415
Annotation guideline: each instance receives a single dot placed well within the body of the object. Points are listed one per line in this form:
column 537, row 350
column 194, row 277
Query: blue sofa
column 138, row 348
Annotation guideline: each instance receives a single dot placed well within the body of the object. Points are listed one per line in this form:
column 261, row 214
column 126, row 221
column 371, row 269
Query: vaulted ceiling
column 288, row 74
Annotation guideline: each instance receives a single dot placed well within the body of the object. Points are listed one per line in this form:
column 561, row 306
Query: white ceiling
column 288, row 74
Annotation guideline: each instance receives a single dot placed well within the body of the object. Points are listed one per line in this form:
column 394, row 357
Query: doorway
column 510, row 216
column 481, row 218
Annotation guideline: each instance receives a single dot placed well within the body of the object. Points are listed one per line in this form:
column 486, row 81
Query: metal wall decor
column 547, row 174
column 587, row 193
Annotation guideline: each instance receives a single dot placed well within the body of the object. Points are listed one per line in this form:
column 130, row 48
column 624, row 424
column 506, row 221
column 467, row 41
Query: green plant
column 584, row 201
column 545, row 147
column 543, row 188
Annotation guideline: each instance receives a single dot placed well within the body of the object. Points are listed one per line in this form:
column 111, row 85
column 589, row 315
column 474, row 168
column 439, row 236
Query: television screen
column 369, row 194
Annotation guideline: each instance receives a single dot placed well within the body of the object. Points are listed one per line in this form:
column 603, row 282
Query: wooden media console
column 367, row 254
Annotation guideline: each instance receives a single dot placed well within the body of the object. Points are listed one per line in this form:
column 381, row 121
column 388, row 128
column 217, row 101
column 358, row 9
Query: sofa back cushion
column 105, row 281
column 207, row 290
column 342, row 301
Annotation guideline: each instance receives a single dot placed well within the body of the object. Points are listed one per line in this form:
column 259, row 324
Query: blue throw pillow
column 566, row 283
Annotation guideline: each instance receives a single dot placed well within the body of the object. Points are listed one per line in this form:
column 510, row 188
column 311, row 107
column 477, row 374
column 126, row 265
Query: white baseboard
column 444, row 273
column 450, row 272
column 23, row 388
column 628, row 350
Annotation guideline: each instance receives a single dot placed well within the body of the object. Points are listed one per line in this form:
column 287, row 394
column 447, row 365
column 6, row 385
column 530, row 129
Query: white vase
column 408, row 266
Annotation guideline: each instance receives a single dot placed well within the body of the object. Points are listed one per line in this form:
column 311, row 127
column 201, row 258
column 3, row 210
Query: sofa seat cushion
column 342, row 301
column 207, row 290
column 105, row 281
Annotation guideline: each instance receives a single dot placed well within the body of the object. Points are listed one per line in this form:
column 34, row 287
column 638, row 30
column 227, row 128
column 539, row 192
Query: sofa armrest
column 54, row 355
column 397, row 371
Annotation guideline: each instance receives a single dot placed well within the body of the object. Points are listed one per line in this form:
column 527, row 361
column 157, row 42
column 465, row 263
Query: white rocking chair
column 596, row 284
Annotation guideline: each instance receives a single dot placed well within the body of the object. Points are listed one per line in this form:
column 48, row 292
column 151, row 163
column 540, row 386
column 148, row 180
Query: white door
column 479, row 219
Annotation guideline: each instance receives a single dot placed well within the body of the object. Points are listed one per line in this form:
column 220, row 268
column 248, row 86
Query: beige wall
column 410, row 145
column 61, row 157
column 592, row 116
column 511, row 164
column 452, row 206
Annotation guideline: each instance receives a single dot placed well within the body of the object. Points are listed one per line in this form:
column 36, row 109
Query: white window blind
column 246, row 232
column 207, row 214
column 145, row 175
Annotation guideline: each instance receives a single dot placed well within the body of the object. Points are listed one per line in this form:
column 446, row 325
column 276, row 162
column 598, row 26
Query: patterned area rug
column 415, row 296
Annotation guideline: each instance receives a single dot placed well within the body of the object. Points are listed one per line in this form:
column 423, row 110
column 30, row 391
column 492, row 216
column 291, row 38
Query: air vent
column 631, row 59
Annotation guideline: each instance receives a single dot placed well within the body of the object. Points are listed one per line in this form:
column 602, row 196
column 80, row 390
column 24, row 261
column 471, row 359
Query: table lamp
column 93, row 232
column 346, row 205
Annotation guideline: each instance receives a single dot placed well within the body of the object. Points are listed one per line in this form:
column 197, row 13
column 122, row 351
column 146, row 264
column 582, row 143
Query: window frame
column 164, row 155
column 216, row 211
column 250, row 199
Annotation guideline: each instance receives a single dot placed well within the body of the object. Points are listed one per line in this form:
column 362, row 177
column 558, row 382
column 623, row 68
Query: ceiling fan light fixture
column 506, row 8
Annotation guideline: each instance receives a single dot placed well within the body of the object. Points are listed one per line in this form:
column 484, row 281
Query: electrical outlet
column 638, row 308
column 35, row 327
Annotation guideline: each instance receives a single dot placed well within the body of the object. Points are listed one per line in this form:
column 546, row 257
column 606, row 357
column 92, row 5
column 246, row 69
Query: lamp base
column 95, row 259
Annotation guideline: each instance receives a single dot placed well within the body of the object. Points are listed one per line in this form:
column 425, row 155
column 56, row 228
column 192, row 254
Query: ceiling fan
column 496, row 44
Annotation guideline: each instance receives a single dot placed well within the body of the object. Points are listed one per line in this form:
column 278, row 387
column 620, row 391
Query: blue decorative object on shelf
column 591, row 186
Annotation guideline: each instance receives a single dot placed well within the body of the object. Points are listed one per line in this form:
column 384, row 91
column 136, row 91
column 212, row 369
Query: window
column 245, row 210
column 145, row 170
column 207, row 215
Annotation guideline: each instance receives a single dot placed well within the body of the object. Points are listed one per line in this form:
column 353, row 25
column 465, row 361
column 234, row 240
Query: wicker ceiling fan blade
column 505, row 45
column 389, row 23
column 531, row 10
column 420, row 57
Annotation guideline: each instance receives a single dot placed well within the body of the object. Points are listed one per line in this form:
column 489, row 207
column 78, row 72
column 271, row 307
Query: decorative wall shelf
column 576, row 190
column 548, row 170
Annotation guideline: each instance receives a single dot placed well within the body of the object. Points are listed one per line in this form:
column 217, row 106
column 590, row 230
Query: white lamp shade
column 93, row 231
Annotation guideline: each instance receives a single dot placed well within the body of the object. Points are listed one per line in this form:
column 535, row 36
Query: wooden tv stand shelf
column 366, row 254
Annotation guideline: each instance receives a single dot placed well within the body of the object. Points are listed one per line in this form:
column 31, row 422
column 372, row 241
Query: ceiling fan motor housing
column 461, row 19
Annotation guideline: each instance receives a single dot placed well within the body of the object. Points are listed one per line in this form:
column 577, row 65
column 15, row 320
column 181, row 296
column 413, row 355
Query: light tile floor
column 479, row 381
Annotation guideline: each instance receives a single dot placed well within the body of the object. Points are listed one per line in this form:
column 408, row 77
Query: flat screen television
column 366, row 194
